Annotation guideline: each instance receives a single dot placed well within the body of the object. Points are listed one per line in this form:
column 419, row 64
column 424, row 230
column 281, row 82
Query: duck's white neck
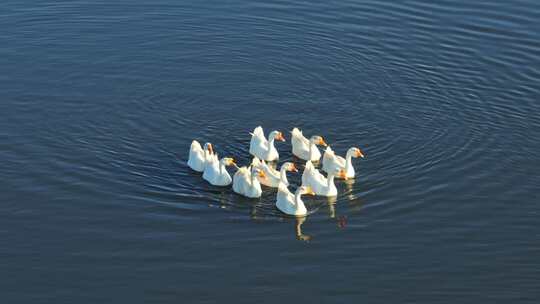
column 254, row 181
column 222, row 168
column 348, row 163
column 271, row 140
column 348, row 160
column 283, row 175
column 206, row 158
column 330, row 180
column 312, row 149
column 298, row 199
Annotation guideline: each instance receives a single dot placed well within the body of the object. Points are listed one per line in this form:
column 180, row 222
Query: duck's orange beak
column 232, row 161
column 211, row 148
column 280, row 137
column 261, row 174
column 359, row 153
column 322, row 142
column 293, row 168
column 342, row 174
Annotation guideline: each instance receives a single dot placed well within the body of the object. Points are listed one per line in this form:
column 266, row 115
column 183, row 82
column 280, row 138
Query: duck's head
column 356, row 152
column 306, row 190
column 290, row 167
column 258, row 172
column 341, row 173
column 228, row 161
column 318, row 140
column 277, row 135
column 208, row 147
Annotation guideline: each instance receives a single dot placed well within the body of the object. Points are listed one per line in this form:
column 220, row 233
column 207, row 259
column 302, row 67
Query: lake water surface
column 100, row 100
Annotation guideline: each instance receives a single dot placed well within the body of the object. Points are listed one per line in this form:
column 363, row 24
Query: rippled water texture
column 100, row 100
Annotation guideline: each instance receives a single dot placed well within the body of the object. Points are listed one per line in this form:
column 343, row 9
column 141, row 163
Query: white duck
column 331, row 161
column 246, row 183
column 304, row 148
column 321, row 185
column 198, row 157
column 215, row 171
column 263, row 148
column 272, row 176
column 292, row 204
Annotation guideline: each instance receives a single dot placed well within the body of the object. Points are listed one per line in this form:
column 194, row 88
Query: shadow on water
column 334, row 209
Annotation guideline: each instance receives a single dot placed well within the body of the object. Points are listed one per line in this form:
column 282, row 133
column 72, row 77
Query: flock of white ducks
column 247, row 180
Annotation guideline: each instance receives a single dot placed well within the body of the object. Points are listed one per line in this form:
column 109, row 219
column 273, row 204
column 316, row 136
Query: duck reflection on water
column 298, row 229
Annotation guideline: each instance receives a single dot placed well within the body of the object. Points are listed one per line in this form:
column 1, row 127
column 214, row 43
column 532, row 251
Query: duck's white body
column 239, row 178
column 304, row 148
column 310, row 174
column 262, row 148
column 245, row 182
column 332, row 162
column 199, row 157
column 273, row 177
column 321, row 185
column 289, row 203
column 215, row 172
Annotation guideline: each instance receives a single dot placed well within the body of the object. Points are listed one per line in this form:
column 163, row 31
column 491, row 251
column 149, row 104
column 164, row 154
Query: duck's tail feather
column 195, row 145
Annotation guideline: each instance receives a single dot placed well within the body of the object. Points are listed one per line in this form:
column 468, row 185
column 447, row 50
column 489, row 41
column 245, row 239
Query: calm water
column 101, row 99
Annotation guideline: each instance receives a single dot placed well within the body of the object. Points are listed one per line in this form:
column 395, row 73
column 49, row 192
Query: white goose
column 292, row 204
column 331, row 161
column 246, row 183
column 215, row 171
column 304, row 148
column 272, row 176
column 321, row 185
column 262, row 148
column 198, row 157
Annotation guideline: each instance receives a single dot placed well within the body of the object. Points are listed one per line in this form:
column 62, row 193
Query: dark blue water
column 99, row 101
